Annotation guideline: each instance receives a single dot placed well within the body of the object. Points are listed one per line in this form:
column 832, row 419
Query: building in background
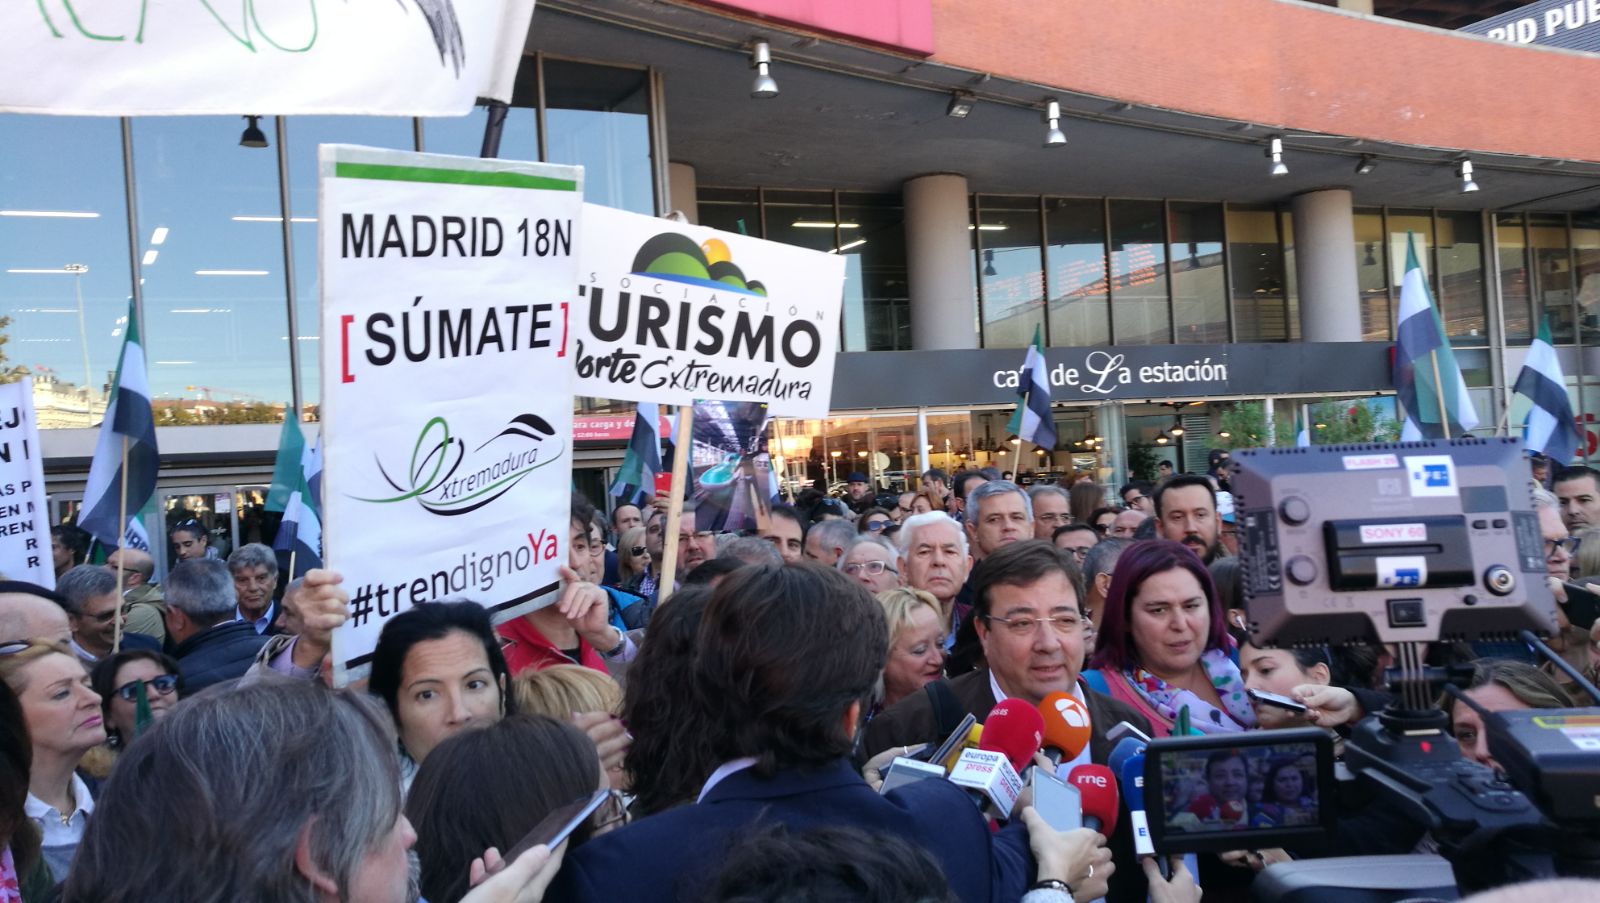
column 1172, row 261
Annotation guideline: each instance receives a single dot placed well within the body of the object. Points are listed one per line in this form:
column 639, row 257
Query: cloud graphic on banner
column 447, row 480
column 676, row 257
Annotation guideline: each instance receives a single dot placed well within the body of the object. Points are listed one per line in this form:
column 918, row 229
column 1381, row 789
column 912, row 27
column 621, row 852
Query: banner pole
column 122, row 521
column 1438, row 388
column 680, row 477
column 292, row 553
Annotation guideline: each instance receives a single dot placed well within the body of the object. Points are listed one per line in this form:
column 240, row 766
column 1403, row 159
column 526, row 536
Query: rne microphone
column 1097, row 787
column 1014, row 729
column 1133, row 792
column 1066, row 726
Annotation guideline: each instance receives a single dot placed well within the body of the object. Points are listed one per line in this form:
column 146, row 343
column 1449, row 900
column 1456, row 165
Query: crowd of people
column 181, row 742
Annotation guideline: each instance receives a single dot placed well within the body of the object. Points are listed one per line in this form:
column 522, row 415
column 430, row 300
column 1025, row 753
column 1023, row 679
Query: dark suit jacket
column 911, row 721
column 676, row 855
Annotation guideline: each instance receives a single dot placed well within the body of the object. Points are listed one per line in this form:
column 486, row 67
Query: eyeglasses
column 164, row 685
column 876, row 526
column 1570, row 544
column 105, row 617
column 1134, row 500
column 638, row 550
column 1061, row 518
column 1079, row 554
column 1101, row 528
column 1021, row 627
column 872, row 568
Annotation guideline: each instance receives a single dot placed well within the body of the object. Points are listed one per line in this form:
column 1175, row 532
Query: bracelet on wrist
column 1051, row 884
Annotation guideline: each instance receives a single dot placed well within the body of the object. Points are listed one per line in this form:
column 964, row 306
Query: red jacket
column 528, row 649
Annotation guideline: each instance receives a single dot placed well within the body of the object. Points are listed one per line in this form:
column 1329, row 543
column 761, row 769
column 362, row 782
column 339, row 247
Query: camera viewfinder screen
column 1214, row 791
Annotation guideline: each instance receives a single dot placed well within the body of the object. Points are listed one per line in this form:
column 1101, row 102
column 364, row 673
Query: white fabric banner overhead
column 177, row 57
column 446, row 389
column 674, row 313
column 24, row 513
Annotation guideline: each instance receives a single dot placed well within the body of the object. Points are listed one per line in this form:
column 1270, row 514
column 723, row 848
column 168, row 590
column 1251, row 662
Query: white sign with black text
column 24, row 514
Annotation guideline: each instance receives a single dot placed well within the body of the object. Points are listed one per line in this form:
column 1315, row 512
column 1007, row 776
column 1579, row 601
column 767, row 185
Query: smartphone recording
column 1240, row 792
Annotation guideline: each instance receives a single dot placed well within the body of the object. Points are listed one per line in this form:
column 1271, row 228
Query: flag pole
column 122, row 524
column 1438, row 388
column 292, row 553
column 680, row 477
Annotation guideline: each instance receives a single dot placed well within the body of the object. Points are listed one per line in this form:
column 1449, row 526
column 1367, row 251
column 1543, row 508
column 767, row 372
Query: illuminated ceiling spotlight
column 253, row 136
column 1177, row 428
column 1163, row 438
column 961, row 104
column 1053, row 136
column 1275, row 154
column 761, row 61
column 1366, row 164
column 1464, row 170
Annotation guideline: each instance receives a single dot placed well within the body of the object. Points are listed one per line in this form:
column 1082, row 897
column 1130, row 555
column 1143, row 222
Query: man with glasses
column 1571, row 642
column 871, row 561
column 89, row 595
column 1031, row 627
column 902, row 507
column 1077, row 539
column 1136, row 496
column 1052, row 509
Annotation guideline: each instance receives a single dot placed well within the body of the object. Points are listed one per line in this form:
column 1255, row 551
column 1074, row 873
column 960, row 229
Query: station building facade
column 1167, row 268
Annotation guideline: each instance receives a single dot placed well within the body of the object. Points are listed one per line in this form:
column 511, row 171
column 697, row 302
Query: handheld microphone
column 1133, row 791
column 1066, row 726
column 1125, row 749
column 1014, row 729
column 988, row 778
column 1098, row 789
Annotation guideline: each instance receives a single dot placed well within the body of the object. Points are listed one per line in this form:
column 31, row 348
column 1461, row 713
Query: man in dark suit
column 788, row 654
column 1015, row 589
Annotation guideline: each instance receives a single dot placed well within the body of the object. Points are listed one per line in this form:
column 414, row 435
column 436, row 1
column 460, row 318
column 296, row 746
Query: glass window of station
column 223, row 237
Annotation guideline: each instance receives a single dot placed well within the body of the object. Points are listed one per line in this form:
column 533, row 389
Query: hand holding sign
column 588, row 609
column 322, row 607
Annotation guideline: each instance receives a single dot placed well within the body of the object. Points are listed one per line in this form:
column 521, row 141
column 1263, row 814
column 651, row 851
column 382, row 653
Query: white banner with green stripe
column 446, row 380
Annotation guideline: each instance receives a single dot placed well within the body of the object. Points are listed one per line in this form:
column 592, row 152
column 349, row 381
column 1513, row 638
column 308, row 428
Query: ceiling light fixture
column 1275, row 154
column 253, row 136
column 1366, row 164
column 761, row 61
column 1163, row 438
column 1053, row 136
column 961, row 104
column 1464, row 170
column 1177, row 428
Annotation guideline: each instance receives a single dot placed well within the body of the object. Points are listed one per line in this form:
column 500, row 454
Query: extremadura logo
column 446, row 479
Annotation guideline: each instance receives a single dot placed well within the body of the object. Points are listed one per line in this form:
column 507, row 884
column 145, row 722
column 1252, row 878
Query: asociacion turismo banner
column 673, row 313
column 167, row 57
column 24, row 517
column 446, row 384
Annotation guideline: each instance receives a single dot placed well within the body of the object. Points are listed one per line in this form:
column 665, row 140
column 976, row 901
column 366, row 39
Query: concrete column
column 1325, row 261
column 683, row 192
column 939, row 263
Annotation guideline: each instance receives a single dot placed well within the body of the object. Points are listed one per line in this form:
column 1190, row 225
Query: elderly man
column 1186, row 512
column 1031, row 628
column 827, row 540
column 1052, row 509
column 1571, row 642
column 142, row 606
column 934, row 557
column 254, row 568
column 29, row 611
column 210, row 645
column 1127, row 523
column 872, row 561
column 998, row 513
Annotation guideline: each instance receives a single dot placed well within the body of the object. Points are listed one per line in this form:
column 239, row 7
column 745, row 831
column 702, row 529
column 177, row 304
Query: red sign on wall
column 608, row 428
column 898, row 24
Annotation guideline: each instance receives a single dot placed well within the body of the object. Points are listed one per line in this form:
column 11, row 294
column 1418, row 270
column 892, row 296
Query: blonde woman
column 580, row 695
column 916, row 642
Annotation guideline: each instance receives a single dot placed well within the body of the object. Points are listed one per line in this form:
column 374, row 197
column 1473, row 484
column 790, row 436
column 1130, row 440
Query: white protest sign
column 446, row 391
column 24, row 514
column 156, row 57
column 673, row 313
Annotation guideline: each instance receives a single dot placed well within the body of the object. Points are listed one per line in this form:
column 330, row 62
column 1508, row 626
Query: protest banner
column 446, row 388
column 24, row 512
column 674, row 313
column 389, row 58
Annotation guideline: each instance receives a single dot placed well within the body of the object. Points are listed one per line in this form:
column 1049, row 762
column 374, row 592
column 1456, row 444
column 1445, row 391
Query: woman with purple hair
column 1162, row 646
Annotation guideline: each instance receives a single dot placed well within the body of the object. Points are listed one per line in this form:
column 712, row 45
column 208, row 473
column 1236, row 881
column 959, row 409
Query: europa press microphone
column 1066, row 726
column 1011, row 735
